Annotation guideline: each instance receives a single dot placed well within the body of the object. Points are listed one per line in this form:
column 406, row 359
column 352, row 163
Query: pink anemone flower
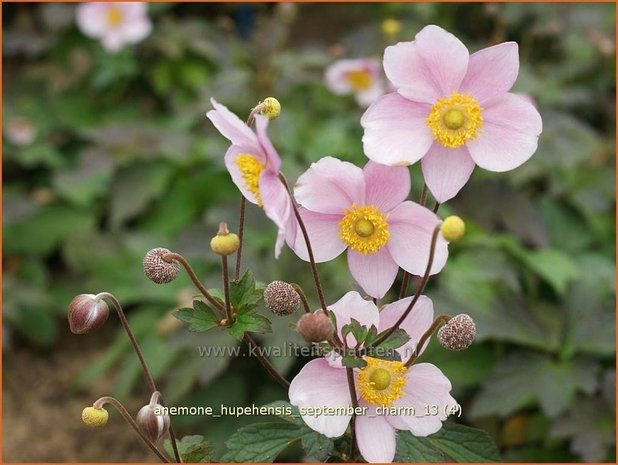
column 114, row 23
column 453, row 110
column 253, row 164
column 361, row 77
column 365, row 211
column 394, row 397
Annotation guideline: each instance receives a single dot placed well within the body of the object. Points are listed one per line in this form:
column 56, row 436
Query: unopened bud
column 281, row 298
column 157, row 269
column 270, row 107
column 453, row 228
column 95, row 417
column 152, row 422
column 224, row 243
column 458, row 333
column 87, row 313
column 315, row 327
column 391, row 27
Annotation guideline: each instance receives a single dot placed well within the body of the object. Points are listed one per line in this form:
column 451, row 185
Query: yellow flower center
column 455, row 120
column 359, row 79
column 381, row 382
column 114, row 16
column 364, row 229
column 250, row 168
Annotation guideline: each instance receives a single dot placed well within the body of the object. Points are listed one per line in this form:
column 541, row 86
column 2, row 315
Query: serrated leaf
column 243, row 293
column 200, row 317
column 358, row 331
column 352, row 361
column 317, row 446
column 395, row 340
column 453, row 443
column 251, row 322
column 192, row 449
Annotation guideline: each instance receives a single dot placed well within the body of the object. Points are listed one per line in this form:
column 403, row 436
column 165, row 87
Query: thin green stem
column 354, row 400
column 425, row 336
column 265, row 362
column 226, row 289
column 303, row 297
column 241, row 233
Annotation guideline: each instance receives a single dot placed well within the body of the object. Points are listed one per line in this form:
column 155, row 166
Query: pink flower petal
column 352, row 305
column 509, row 136
column 446, row 170
column 385, row 186
column 320, row 385
column 330, row 186
column 375, row 437
column 396, row 131
column 336, row 75
column 425, row 387
column 232, row 128
column 375, row 273
column 277, row 205
column 273, row 162
column 372, row 94
column 431, row 67
column 416, row 323
column 90, row 18
column 323, row 232
column 411, row 227
column 235, row 173
column 491, row 71
column 136, row 30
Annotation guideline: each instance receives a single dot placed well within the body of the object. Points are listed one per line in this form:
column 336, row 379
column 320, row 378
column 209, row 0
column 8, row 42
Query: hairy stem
column 241, row 232
column 354, row 400
column 265, row 362
column 226, row 289
column 303, row 297
column 425, row 336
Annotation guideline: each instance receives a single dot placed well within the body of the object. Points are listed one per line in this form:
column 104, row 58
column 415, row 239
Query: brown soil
column 41, row 414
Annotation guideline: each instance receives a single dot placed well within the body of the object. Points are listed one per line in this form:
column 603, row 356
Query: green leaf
column 554, row 267
column 192, row 449
column 358, row 331
column 318, row 446
column 352, row 361
column 243, row 293
column 395, row 340
column 453, row 443
column 261, row 442
column 249, row 322
column 200, row 317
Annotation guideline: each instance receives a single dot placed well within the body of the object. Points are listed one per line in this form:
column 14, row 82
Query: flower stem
column 149, row 379
column 265, row 362
column 404, row 285
column 354, row 400
column 425, row 336
column 303, row 297
column 226, row 289
column 314, row 268
column 129, row 419
column 241, row 231
column 196, row 282
column 435, row 207
column 417, row 294
column 423, row 198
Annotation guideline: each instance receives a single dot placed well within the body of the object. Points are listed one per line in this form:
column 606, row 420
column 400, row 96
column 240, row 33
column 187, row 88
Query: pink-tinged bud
column 315, row 327
column 281, row 298
column 153, row 422
column 157, row 269
column 87, row 313
column 458, row 333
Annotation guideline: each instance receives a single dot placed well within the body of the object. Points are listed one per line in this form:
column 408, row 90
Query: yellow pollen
column 359, row 79
column 455, row 120
column 250, row 168
column 114, row 16
column 364, row 229
column 381, row 382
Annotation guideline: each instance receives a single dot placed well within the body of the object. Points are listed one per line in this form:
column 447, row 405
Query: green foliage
column 201, row 317
column 192, row 449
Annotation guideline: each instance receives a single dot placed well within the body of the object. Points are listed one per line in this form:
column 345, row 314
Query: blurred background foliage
column 108, row 155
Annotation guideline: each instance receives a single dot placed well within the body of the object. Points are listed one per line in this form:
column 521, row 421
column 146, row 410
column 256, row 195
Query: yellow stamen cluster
column 381, row 382
column 455, row 120
column 250, row 168
column 114, row 16
column 359, row 79
column 95, row 417
column 364, row 229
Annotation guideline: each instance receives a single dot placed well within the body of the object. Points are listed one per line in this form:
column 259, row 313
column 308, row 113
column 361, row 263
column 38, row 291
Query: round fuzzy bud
column 224, row 243
column 315, row 327
column 87, row 313
column 95, row 417
column 157, row 269
column 391, row 27
column 152, row 422
column 270, row 107
column 458, row 333
column 453, row 228
column 281, row 298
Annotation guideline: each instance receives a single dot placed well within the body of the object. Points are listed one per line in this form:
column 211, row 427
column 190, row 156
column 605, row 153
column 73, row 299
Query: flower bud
column 157, row 269
column 391, row 27
column 95, row 417
column 458, row 333
column 315, row 327
column 270, row 107
column 224, row 243
column 87, row 313
column 453, row 228
column 153, row 425
column 281, row 298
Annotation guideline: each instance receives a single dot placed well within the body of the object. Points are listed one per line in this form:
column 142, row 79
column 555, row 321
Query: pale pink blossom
column 361, row 77
column 452, row 110
column 254, row 164
column 322, row 384
column 115, row 24
column 365, row 211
